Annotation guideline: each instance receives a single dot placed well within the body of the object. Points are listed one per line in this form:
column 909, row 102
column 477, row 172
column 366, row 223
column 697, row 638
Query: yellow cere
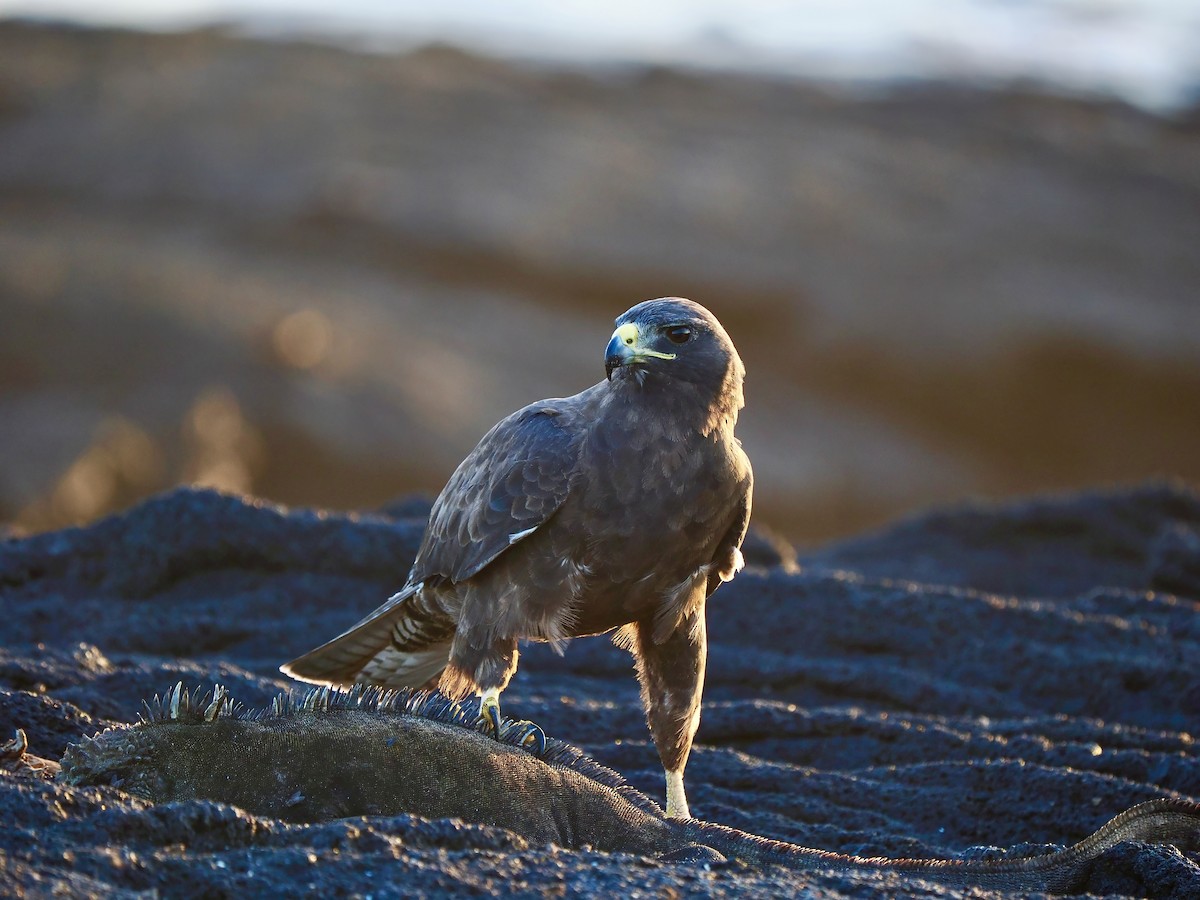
column 628, row 334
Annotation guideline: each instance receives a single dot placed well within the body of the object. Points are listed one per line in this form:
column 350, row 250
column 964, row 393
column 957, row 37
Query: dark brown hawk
column 622, row 507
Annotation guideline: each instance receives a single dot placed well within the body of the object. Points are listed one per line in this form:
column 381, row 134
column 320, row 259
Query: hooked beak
column 625, row 347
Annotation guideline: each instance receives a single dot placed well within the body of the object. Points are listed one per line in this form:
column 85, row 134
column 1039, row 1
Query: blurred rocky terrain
column 321, row 275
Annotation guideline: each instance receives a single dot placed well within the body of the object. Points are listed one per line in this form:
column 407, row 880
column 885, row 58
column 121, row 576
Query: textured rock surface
column 983, row 676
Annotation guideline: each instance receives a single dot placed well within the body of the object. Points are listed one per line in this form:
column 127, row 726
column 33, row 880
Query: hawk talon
column 489, row 711
column 533, row 739
column 528, row 734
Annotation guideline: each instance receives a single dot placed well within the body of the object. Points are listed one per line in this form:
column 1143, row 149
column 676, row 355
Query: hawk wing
column 509, row 485
column 727, row 561
column 514, row 480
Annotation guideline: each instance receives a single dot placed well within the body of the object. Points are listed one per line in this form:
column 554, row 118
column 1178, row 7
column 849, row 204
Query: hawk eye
column 679, row 334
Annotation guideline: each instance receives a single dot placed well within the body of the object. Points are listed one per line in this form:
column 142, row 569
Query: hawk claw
column 533, row 738
column 489, row 711
column 527, row 734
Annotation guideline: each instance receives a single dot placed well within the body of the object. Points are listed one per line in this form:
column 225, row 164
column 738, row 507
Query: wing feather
column 510, row 485
column 727, row 561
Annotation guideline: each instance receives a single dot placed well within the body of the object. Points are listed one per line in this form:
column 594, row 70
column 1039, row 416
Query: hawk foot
column 523, row 733
column 489, row 711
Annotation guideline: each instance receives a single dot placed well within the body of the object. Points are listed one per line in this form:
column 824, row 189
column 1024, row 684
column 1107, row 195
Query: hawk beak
column 625, row 347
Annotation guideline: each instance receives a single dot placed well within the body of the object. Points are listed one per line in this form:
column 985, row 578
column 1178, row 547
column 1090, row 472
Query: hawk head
column 673, row 340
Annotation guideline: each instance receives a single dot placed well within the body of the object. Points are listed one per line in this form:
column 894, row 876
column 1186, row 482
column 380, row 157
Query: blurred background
column 314, row 254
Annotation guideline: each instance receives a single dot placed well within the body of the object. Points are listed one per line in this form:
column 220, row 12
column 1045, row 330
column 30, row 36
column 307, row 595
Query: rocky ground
column 321, row 275
column 979, row 676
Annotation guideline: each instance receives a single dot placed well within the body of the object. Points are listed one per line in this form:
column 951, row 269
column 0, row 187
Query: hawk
column 620, row 508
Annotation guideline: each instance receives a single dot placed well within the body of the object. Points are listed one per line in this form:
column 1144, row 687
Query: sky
column 1144, row 51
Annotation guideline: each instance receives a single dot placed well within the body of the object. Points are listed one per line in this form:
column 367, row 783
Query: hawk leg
column 671, row 673
column 487, row 671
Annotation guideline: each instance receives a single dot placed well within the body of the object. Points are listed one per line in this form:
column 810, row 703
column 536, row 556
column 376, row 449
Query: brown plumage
column 622, row 507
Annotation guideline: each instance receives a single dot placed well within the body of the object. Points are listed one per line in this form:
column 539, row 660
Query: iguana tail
column 1165, row 820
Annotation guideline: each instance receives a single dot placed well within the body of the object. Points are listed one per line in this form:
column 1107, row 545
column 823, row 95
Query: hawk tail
column 401, row 644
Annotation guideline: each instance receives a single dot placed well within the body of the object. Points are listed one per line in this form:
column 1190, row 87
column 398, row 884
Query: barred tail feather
column 369, row 653
column 392, row 668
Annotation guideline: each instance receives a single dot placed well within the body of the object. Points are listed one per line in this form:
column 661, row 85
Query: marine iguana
column 407, row 752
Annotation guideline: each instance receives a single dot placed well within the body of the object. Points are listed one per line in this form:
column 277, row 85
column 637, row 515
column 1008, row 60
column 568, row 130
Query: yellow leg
column 489, row 709
column 677, row 805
